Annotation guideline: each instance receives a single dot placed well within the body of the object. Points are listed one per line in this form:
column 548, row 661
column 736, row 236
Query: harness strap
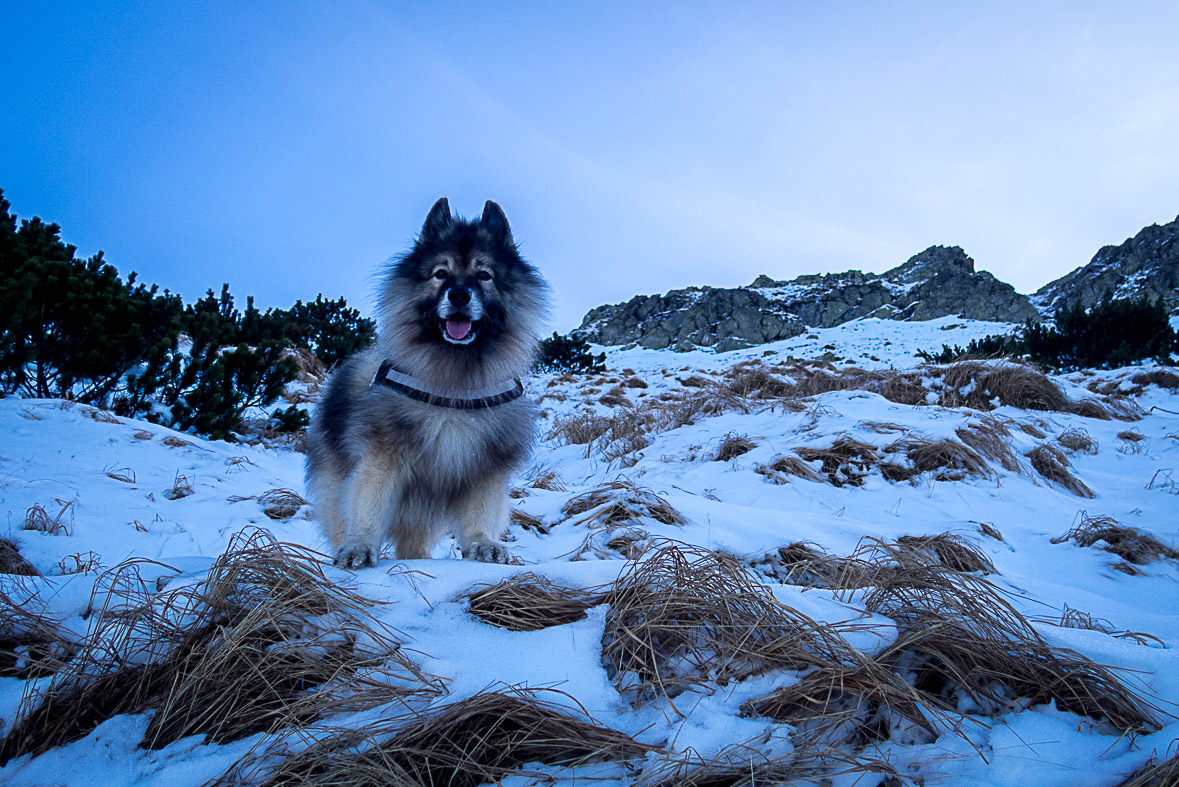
column 419, row 390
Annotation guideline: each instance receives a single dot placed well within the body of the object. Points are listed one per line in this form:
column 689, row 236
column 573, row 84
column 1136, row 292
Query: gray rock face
column 937, row 282
column 1146, row 265
column 695, row 317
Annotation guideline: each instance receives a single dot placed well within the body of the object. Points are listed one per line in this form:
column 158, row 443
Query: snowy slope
column 108, row 481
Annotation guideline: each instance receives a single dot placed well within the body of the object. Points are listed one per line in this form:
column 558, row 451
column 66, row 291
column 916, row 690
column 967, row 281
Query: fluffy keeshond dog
column 418, row 435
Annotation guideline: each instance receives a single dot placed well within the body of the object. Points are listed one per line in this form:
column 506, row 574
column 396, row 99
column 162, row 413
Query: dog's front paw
column 487, row 552
column 356, row 556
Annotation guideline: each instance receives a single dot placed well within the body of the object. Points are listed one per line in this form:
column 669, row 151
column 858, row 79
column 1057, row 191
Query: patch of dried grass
column 38, row 519
column 13, row 563
column 811, row 565
column 858, row 703
column 1154, row 774
column 528, row 522
column 1076, row 440
column 786, row 465
column 620, row 502
column 978, row 384
column 990, row 437
column 124, row 474
column 733, row 446
column 1160, row 377
column 846, row 463
column 1077, row 619
column 1128, row 543
column 962, row 644
column 479, row 740
column 529, row 602
column 172, row 441
column 277, row 503
column 944, row 549
column 31, row 644
column 989, row 530
column 747, row 765
column 101, row 416
column 547, row 479
column 265, row 641
column 684, row 616
column 1132, row 442
column 1052, row 464
column 77, row 563
column 181, row 487
column 948, row 460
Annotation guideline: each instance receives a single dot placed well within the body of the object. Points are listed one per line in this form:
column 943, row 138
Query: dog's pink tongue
column 458, row 329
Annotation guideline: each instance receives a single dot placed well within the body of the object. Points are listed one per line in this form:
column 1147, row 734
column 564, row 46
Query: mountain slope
column 1146, row 265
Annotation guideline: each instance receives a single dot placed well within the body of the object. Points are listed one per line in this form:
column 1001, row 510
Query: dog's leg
column 326, row 487
column 483, row 518
column 371, row 492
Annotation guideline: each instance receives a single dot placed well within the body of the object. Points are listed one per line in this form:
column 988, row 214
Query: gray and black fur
column 461, row 311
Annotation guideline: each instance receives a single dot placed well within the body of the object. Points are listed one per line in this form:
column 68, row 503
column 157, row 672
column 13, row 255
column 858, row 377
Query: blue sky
column 290, row 148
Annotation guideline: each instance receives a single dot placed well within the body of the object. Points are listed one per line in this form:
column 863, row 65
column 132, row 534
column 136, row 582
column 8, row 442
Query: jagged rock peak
column 1146, row 265
column 934, row 261
column 937, row 282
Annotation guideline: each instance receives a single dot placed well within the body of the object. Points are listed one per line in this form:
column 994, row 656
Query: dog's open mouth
column 458, row 329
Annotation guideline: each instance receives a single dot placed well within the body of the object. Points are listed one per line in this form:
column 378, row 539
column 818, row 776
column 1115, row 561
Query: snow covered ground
column 106, row 486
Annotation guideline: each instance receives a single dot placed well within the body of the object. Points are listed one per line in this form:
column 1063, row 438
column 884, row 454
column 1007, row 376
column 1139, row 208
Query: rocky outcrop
column 937, row 282
column 1146, row 265
column 696, row 317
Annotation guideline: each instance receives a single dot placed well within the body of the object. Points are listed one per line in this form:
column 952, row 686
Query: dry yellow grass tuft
column 948, row 460
column 782, row 466
column 990, row 437
column 1154, row 774
column 38, row 519
column 479, row 740
column 181, row 487
column 847, row 462
column 31, row 644
column 529, row 602
column 265, row 641
column 1077, row 441
column 959, row 637
column 277, row 503
column 1128, row 543
column 979, row 384
column 13, row 563
column 620, row 502
column 732, row 446
column 684, row 616
column 1052, row 464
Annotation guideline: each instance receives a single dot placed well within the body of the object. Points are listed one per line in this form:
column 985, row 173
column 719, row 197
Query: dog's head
column 463, row 295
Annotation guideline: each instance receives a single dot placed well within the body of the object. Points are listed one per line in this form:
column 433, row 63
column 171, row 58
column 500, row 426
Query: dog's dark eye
column 440, row 274
column 484, row 276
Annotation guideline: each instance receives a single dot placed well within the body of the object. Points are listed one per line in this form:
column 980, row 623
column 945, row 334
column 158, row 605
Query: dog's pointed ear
column 495, row 222
column 438, row 220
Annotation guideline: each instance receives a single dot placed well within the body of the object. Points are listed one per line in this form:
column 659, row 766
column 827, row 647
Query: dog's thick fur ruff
column 460, row 312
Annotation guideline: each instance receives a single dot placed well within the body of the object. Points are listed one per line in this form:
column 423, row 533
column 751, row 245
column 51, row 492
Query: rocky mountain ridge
column 940, row 281
column 1146, row 265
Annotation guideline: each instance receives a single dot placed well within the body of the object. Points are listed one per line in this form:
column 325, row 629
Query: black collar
column 419, row 390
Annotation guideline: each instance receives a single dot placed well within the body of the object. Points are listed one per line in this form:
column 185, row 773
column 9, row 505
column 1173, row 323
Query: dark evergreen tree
column 569, row 354
column 71, row 328
column 1114, row 332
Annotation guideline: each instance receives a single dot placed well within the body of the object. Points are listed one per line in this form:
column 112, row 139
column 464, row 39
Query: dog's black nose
column 459, row 296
